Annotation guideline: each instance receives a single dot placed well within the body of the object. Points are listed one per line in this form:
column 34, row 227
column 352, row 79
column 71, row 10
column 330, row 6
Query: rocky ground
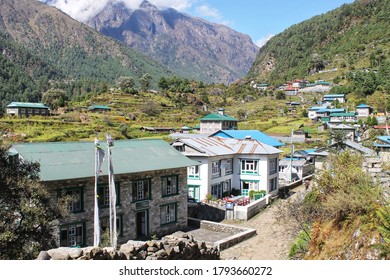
column 274, row 237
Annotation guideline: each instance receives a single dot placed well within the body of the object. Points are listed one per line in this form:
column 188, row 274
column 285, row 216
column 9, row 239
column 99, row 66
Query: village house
column 363, row 111
column 337, row 118
column 349, row 131
column 328, row 99
column 323, row 113
column 300, row 165
column 27, row 109
column 150, row 179
column 99, row 108
column 228, row 166
column 312, row 112
column 217, row 121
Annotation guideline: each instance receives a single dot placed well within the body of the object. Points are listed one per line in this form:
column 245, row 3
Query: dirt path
column 273, row 239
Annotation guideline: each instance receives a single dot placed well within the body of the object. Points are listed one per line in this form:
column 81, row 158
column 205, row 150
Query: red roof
column 381, row 126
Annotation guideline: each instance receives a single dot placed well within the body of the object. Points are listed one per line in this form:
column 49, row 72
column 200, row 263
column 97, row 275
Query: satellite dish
column 307, row 158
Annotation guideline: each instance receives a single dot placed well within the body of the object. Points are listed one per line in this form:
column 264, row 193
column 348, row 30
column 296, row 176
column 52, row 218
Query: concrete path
column 273, row 239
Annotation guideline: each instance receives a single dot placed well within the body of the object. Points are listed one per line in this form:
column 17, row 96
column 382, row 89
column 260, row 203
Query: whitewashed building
column 229, row 166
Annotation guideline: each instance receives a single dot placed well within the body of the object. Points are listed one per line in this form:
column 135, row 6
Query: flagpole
column 112, row 194
column 96, row 226
column 292, row 153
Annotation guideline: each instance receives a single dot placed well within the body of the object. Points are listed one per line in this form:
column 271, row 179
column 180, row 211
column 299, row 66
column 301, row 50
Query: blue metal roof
column 385, row 139
column 362, row 106
column 254, row 134
column 334, row 95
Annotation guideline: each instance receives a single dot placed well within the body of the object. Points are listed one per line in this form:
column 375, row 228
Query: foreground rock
column 178, row 246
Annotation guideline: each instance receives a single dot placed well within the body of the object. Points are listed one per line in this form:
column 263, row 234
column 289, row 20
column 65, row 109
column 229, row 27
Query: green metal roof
column 218, row 117
column 325, row 119
column 27, row 105
column 99, row 107
column 71, row 160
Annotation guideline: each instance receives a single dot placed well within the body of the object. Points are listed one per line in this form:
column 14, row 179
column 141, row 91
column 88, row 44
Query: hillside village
column 215, row 163
column 144, row 164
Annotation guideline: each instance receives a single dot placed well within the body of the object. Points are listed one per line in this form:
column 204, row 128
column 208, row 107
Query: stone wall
column 374, row 167
column 201, row 211
column 178, row 246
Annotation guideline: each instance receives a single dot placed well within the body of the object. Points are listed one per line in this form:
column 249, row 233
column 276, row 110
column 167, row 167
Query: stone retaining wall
column 374, row 167
column 178, row 246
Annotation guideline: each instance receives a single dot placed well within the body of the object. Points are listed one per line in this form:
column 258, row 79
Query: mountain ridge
column 192, row 46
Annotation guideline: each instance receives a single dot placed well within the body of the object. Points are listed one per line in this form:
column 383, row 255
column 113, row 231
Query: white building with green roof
column 217, row 121
column 27, row 109
column 150, row 179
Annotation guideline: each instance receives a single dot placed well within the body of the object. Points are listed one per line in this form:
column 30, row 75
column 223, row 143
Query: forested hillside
column 39, row 44
column 352, row 37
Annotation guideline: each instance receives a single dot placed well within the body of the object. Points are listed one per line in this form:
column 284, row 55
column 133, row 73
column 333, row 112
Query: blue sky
column 258, row 18
column 261, row 18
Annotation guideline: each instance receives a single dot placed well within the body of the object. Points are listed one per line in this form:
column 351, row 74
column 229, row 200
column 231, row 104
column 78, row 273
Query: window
column 215, row 169
column 169, row 185
column 272, row 184
column 72, row 235
column 193, row 193
column 76, row 203
column 105, row 224
column 104, row 195
column 179, row 146
column 249, row 166
column 273, row 165
column 221, row 189
column 229, row 166
column 193, row 172
column 141, row 190
column 168, row 213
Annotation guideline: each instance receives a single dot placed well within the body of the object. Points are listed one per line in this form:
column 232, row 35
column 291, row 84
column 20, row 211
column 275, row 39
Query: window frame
column 216, row 165
column 164, row 222
column 135, row 197
column 165, row 193
column 192, row 174
column 273, row 187
column 229, row 162
column 67, row 227
column 250, row 171
column 119, row 220
column 106, row 196
column 64, row 191
column 273, row 169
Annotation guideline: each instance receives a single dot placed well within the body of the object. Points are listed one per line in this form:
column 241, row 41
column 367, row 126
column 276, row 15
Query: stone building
column 217, row 121
column 27, row 109
column 150, row 179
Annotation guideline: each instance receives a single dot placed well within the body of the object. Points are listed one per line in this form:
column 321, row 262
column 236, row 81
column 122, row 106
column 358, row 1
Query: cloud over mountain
column 86, row 9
